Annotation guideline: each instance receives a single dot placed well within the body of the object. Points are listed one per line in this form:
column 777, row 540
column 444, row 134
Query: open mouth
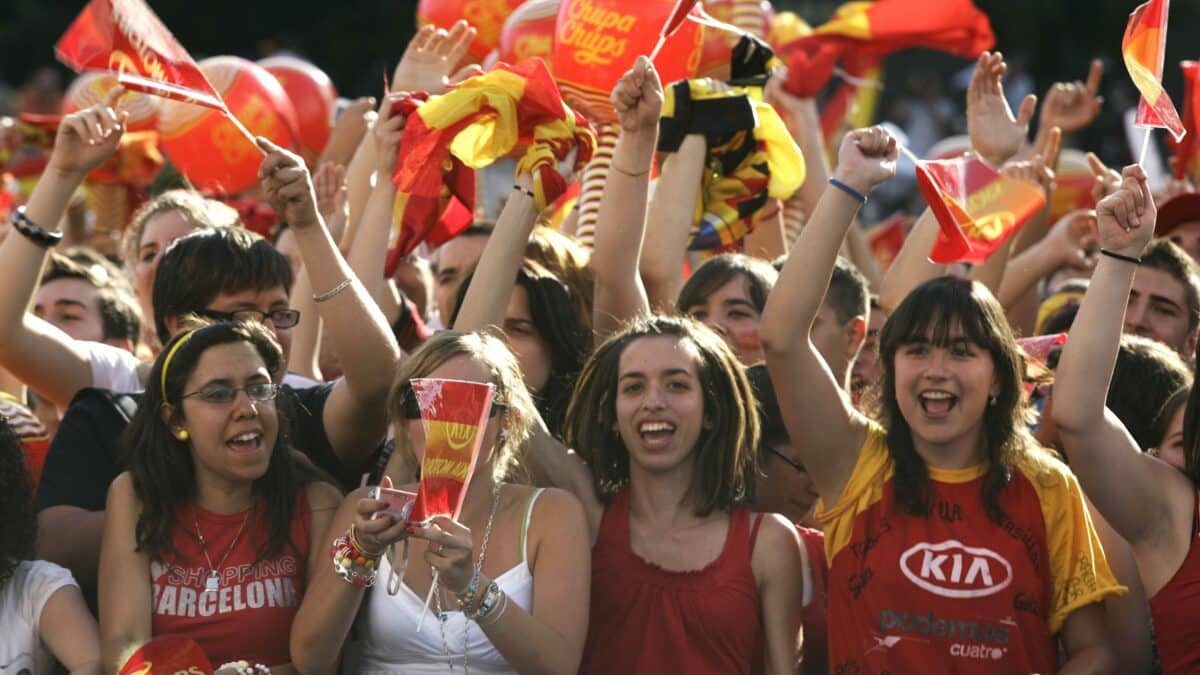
column 656, row 434
column 251, row 441
column 937, row 403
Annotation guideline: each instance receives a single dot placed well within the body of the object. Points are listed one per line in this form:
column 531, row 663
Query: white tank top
column 388, row 625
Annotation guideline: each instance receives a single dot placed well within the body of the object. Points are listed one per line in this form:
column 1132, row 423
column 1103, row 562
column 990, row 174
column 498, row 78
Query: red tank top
column 645, row 619
column 1176, row 610
column 815, row 613
column 250, row 615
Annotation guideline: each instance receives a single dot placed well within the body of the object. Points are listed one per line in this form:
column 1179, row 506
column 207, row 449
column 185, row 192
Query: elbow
column 310, row 657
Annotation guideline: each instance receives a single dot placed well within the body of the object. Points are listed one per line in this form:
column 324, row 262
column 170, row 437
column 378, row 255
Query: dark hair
column 163, row 471
column 930, row 313
column 1164, row 254
column 120, row 316
column 203, row 264
column 725, row 456
column 770, row 417
column 849, row 293
column 1146, row 374
column 18, row 525
column 569, row 261
column 557, row 324
column 1191, row 433
column 1163, row 419
column 720, row 270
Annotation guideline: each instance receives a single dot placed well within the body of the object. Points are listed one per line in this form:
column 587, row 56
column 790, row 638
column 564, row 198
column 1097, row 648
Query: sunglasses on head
column 412, row 410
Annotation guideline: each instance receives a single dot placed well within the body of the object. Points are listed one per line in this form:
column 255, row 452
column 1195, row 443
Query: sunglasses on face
column 223, row 395
column 787, row 460
column 279, row 318
column 412, row 409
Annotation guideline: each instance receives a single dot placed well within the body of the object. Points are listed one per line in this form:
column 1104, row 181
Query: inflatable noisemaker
column 592, row 181
column 312, row 95
column 529, row 32
column 167, row 655
column 486, row 17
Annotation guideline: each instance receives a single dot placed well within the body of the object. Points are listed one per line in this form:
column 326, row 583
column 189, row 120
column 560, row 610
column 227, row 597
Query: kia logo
column 952, row 570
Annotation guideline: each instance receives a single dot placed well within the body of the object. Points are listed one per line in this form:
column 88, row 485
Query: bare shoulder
column 556, row 511
column 121, row 493
column 324, row 497
column 777, row 549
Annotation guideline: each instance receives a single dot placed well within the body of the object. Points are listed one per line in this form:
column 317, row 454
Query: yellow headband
column 170, row 355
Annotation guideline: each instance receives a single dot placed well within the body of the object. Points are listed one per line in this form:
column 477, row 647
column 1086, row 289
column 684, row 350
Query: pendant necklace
column 212, row 583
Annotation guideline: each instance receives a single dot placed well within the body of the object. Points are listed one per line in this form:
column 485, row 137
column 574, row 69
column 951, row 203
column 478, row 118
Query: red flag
column 453, row 416
column 887, row 238
column 977, row 208
column 125, row 36
column 1143, row 49
column 166, row 655
column 1188, row 150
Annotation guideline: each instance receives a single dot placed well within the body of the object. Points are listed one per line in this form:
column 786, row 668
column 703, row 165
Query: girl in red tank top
column 684, row 578
column 209, row 532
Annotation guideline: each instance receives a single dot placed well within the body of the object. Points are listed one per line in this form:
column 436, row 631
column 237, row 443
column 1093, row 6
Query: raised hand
column 1072, row 106
column 388, row 130
column 1037, row 170
column 431, row 57
column 783, row 100
column 866, row 159
column 995, row 134
column 1071, row 238
column 288, row 186
column 1107, row 180
column 330, row 185
column 1125, row 218
column 349, row 129
column 638, row 97
column 88, row 137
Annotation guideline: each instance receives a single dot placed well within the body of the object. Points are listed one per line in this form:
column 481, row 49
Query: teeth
column 937, row 395
column 657, row 426
column 246, row 437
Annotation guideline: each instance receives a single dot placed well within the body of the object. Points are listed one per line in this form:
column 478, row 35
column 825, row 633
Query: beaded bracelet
column 35, row 233
column 351, row 564
column 468, row 594
column 491, row 598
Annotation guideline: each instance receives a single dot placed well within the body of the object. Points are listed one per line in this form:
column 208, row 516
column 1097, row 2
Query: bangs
column 942, row 311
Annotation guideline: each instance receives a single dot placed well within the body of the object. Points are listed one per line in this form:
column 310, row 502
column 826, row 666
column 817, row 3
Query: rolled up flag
column 1143, row 49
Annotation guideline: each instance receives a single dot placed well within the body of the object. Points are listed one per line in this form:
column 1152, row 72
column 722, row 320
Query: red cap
column 1176, row 211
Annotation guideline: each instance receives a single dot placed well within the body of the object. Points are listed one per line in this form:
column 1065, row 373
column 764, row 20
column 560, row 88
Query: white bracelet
column 336, row 289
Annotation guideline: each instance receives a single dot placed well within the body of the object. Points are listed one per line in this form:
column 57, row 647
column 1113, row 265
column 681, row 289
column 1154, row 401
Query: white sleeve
column 35, row 581
column 113, row 368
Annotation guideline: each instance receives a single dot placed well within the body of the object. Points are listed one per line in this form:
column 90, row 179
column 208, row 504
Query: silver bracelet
column 336, row 289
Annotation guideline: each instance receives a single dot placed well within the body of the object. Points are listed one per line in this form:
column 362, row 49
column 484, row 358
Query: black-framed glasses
column 221, row 394
column 412, row 409
column 788, row 460
column 280, row 318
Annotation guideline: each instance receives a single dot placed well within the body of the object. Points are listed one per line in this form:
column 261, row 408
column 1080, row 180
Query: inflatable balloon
column 312, row 95
column 529, row 32
column 486, row 16
column 93, row 87
column 596, row 41
column 206, row 147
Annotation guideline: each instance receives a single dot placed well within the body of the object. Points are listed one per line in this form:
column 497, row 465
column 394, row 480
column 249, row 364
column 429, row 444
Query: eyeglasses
column 223, row 395
column 280, row 318
column 412, row 409
column 795, row 465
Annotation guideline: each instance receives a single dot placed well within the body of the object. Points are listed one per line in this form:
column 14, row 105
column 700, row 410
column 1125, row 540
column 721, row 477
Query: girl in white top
column 532, row 543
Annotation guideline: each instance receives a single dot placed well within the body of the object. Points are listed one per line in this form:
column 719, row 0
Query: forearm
column 912, row 266
column 805, row 125
column 862, row 257
column 672, row 211
column 991, row 272
column 1024, row 271
column 529, row 645
column 323, row 621
column 71, row 537
column 1036, row 229
column 358, row 187
column 368, row 247
column 492, row 284
column 306, row 338
column 1093, row 660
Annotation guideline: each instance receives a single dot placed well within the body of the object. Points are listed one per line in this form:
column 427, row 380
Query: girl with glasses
column 209, row 534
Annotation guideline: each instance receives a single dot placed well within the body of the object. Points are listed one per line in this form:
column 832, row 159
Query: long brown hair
column 724, row 456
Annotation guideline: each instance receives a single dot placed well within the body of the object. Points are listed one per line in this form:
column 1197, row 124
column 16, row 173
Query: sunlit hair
column 490, row 352
column 725, row 456
column 163, row 470
column 937, row 312
column 720, row 270
column 201, row 212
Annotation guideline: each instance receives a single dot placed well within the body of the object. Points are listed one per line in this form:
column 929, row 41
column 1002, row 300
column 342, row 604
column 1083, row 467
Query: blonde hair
column 201, row 212
column 491, row 352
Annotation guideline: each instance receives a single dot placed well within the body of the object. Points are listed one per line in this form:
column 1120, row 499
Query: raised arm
column 368, row 237
column 1143, row 504
column 621, row 221
column 37, row 353
column 672, row 212
column 819, row 416
column 912, row 265
column 995, row 134
column 355, row 414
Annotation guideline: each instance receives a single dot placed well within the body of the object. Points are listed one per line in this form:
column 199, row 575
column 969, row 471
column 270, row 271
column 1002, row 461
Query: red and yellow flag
column 977, row 208
column 1143, row 49
column 478, row 121
column 1187, row 151
column 453, row 416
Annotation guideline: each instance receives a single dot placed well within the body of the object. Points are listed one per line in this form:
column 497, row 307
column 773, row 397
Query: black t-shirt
column 85, row 455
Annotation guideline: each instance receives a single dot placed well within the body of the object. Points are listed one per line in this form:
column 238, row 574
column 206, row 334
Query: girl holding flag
column 955, row 543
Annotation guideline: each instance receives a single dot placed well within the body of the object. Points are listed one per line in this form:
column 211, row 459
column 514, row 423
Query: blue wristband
column 862, row 199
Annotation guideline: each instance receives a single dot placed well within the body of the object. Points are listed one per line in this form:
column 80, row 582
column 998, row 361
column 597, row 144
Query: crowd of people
column 781, row 456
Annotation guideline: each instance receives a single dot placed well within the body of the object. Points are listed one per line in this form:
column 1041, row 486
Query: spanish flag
column 1143, row 48
column 453, row 416
column 478, row 121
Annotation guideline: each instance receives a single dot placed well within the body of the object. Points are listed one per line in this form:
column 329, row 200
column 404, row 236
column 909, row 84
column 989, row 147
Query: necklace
column 212, row 583
column 442, row 615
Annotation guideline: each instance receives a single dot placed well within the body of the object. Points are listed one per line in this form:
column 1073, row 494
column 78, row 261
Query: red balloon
column 93, row 87
column 487, row 16
column 312, row 95
column 596, row 41
column 529, row 32
column 206, row 147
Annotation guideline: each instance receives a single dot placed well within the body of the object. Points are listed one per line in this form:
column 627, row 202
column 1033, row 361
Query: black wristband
column 1121, row 256
column 32, row 231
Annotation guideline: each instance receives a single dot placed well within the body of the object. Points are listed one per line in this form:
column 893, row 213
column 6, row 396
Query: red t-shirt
column 954, row 591
column 250, row 616
column 1175, row 609
column 815, row 613
column 645, row 619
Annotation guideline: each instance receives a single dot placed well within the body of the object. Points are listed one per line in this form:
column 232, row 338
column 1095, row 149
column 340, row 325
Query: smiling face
column 157, row 235
column 942, row 391
column 659, row 402
column 730, row 311
column 231, row 443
